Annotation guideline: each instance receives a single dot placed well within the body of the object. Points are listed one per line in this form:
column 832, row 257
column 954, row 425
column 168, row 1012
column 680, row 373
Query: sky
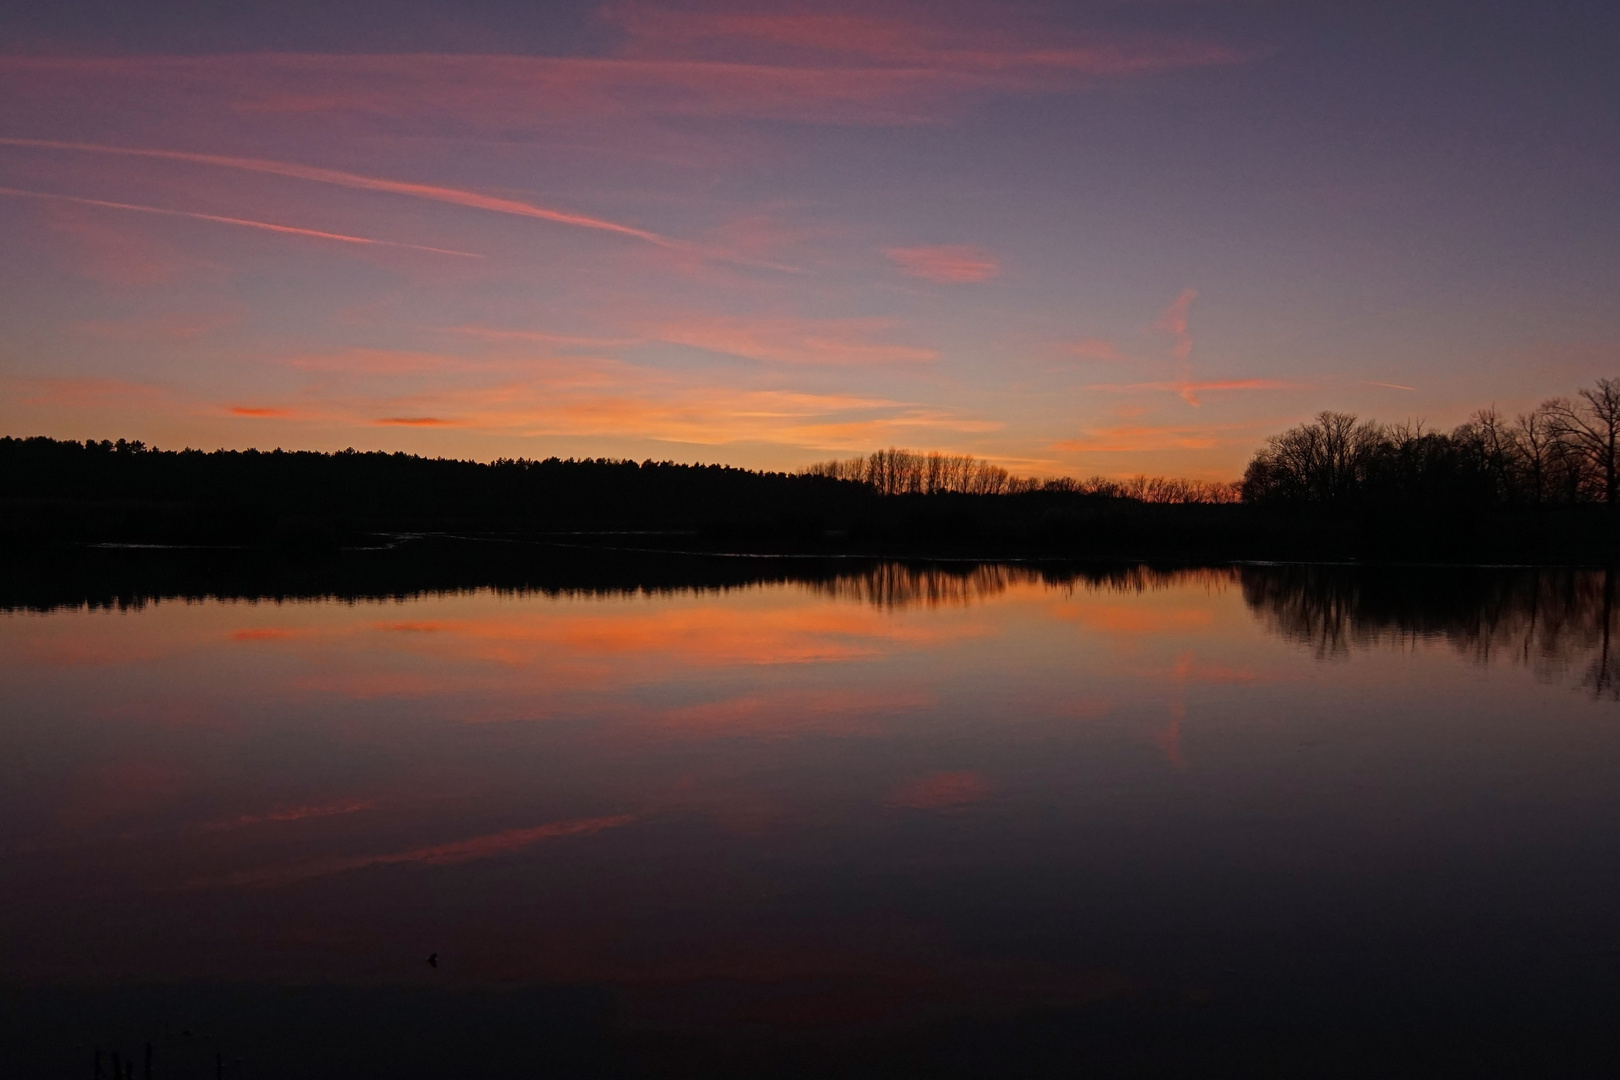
column 1132, row 236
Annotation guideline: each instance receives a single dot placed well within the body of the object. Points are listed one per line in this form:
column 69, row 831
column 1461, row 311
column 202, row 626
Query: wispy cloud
column 645, row 405
column 815, row 37
column 1096, row 349
column 1174, row 321
column 945, row 264
column 289, row 230
column 794, row 340
column 265, row 412
column 384, row 362
column 779, row 64
column 1188, row 390
column 101, row 248
column 490, row 333
column 1140, row 438
column 292, row 170
column 173, row 327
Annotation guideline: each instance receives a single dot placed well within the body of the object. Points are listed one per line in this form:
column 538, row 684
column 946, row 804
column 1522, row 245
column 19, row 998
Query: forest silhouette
column 1541, row 487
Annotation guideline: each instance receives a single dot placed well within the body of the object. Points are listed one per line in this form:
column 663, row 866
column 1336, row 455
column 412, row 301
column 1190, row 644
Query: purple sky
column 1078, row 238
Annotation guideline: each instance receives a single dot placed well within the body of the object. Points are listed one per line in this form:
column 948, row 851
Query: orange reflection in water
column 459, row 851
column 684, row 747
column 782, row 804
column 942, row 790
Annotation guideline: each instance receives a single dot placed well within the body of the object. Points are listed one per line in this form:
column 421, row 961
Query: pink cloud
column 805, row 66
column 1148, row 437
column 264, row 226
column 292, row 170
column 490, row 333
column 382, row 362
column 845, row 40
column 946, row 264
column 112, row 254
column 1173, row 321
column 1096, row 349
column 173, row 327
column 93, row 392
column 794, row 340
column 1188, row 390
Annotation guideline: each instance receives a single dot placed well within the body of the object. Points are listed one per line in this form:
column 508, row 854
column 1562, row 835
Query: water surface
column 889, row 797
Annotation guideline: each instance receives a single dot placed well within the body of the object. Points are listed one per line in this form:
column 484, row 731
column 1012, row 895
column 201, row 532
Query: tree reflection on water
column 1552, row 620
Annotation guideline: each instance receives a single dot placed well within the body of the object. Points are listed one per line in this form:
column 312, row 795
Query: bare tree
column 905, row 472
column 1591, row 424
column 1488, row 438
column 1537, row 452
column 1322, row 461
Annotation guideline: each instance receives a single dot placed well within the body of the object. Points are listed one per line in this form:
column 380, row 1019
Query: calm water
column 883, row 798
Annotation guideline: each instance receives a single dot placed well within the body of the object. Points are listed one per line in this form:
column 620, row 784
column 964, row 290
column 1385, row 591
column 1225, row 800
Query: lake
column 874, row 814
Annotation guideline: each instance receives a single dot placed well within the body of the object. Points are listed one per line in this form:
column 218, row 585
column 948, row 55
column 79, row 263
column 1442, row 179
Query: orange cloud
column 659, row 408
column 240, row 222
column 794, row 341
column 257, row 411
column 945, row 264
column 412, row 421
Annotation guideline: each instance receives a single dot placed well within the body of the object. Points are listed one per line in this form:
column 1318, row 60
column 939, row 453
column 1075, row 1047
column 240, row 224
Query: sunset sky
column 1110, row 237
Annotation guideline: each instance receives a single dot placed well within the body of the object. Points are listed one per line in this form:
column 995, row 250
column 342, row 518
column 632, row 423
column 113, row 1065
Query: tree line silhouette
column 1562, row 452
column 1539, row 487
column 907, row 472
column 894, row 500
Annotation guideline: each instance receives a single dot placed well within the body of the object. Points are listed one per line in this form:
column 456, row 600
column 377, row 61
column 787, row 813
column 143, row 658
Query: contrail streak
column 454, row 196
column 266, row 226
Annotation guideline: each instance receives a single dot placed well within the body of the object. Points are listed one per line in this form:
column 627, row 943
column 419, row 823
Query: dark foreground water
column 978, row 820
